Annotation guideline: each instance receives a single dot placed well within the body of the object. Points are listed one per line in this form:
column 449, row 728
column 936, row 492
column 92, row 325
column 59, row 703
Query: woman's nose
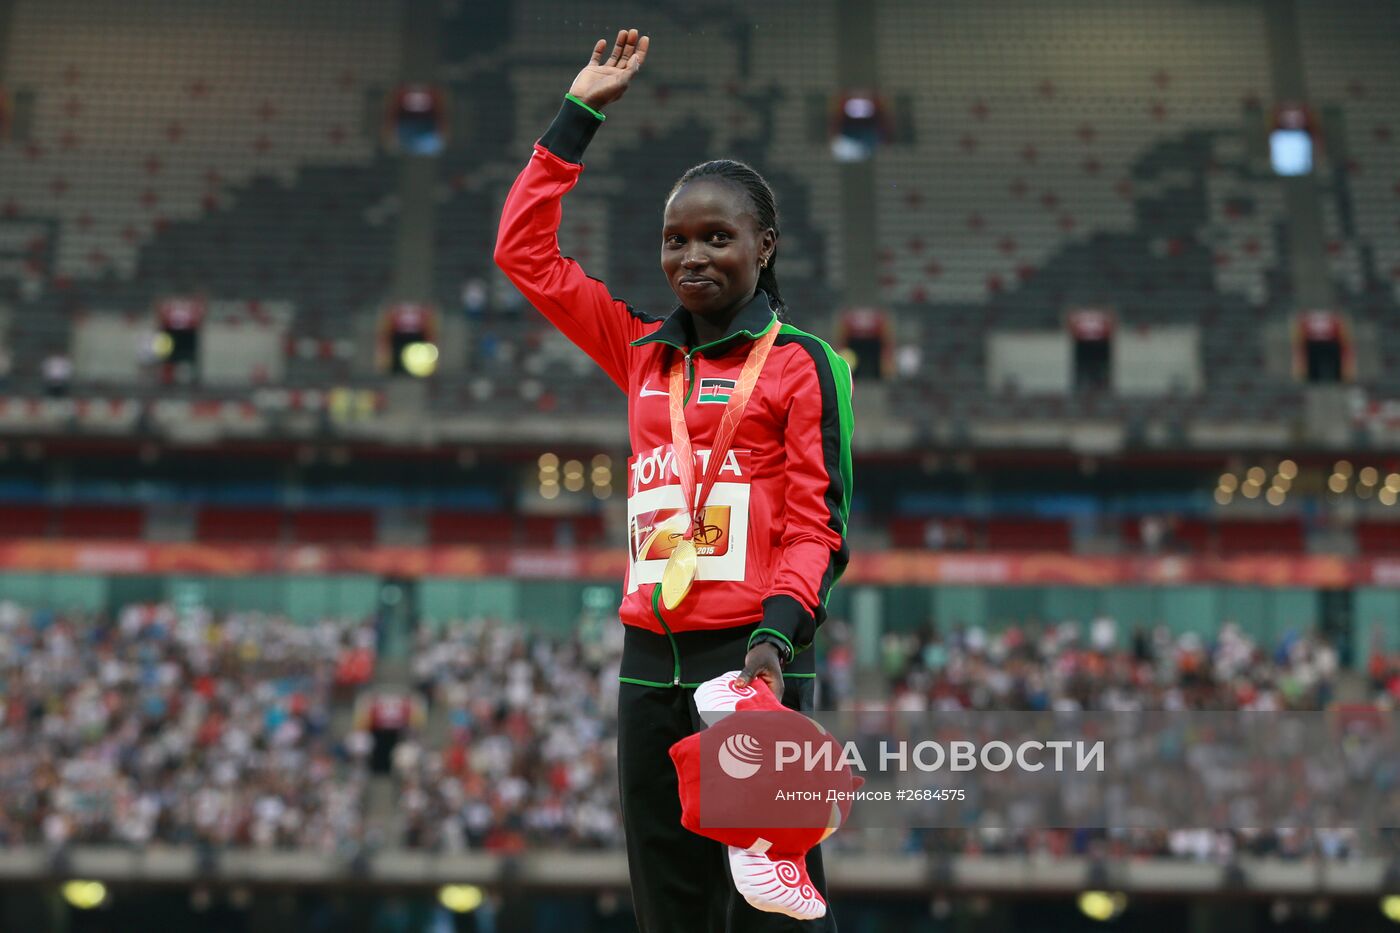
column 694, row 258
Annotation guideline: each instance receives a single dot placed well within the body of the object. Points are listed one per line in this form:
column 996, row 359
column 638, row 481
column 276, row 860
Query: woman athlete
column 738, row 486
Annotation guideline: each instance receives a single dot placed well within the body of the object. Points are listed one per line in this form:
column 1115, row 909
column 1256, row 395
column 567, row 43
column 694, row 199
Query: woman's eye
column 719, row 236
column 672, row 241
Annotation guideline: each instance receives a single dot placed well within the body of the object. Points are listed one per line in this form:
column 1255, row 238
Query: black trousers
column 680, row 880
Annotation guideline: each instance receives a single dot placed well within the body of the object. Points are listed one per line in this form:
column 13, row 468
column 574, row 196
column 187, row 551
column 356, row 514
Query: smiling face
column 712, row 247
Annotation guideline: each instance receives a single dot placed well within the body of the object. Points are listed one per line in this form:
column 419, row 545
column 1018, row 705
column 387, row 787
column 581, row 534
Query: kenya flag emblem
column 716, row 391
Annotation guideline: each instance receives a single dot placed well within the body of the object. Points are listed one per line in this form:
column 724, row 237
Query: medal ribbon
column 728, row 425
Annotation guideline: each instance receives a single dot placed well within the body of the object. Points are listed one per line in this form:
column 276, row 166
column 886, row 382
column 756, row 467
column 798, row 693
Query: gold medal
column 679, row 573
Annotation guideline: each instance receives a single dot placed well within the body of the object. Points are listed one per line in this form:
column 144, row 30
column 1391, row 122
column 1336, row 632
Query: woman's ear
column 767, row 244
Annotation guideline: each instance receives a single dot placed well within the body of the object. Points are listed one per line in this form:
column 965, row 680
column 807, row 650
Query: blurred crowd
column 525, row 751
column 188, row 726
column 1068, row 666
column 173, row 727
column 1220, row 846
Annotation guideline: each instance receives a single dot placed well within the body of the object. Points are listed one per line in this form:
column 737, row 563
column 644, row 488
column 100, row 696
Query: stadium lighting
column 1288, row 469
column 1390, row 906
column 1337, row 483
column 573, row 476
column 1102, row 905
column 1257, row 475
column 1343, row 468
column 85, row 895
column 860, row 108
column 1283, row 482
column 1228, row 482
column 602, row 477
column 420, row 359
column 1224, row 496
column 460, row 898
column 162, row 345
column 1386, row 495
column 1392, row 482
column 1291, row 152
column 1370, row 476
column 1275, row 495
column 1250, row 489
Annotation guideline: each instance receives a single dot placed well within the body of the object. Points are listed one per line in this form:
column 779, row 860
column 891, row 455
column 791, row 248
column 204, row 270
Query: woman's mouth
column 696, row 285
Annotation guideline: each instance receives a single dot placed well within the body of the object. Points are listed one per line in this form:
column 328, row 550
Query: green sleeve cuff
column 785, row 616
column 771, row 634
column 596, row 113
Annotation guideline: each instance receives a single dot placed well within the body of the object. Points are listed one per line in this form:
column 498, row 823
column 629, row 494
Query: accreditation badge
column 657, row 520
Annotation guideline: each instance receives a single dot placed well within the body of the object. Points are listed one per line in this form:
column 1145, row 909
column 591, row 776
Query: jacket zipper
column 675, row 652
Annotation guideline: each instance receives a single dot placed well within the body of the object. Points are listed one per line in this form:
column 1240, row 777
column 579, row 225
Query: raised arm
column 527, row 242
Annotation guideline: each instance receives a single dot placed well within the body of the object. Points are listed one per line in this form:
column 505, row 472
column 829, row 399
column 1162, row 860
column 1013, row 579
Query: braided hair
column 765, row 208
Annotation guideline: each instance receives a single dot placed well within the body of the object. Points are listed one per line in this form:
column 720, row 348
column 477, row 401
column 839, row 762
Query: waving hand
column 604, row 80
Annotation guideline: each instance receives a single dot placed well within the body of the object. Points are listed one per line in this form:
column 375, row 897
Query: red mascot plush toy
column 769, row 784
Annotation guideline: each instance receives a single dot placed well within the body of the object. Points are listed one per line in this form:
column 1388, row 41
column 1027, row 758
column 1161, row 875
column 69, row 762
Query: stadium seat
column 1027, row 534
column 1244, row 537
column 96, row 521
column 25, row 521
column 220, row 523
column 589, row 530
column 1191, row 534
column 448, row 527
column 1374, row 537
column 334, row 526
column 922, row 532
column 543, row 531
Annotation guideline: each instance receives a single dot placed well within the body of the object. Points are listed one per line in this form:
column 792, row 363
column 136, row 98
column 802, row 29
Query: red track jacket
column 773, row 540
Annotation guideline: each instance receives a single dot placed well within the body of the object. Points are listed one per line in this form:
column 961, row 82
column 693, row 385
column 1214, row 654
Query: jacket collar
column 752, row 322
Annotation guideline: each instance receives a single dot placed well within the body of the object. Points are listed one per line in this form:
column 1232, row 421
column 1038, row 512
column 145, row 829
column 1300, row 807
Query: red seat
column 589, row 531
column 542, row 531
column 455, row 527
column 551, row 531
column 333, row 526
column 1274, row 536
column 907, row 532
column 1191, row 534
column 1378, row 537
column 25, row 521
column 923, row 532
column 102, row 521
column 1130, row 534
column 222, row 523
column 1027, row 534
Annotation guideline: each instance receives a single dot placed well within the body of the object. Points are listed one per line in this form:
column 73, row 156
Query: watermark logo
column 740, row 756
